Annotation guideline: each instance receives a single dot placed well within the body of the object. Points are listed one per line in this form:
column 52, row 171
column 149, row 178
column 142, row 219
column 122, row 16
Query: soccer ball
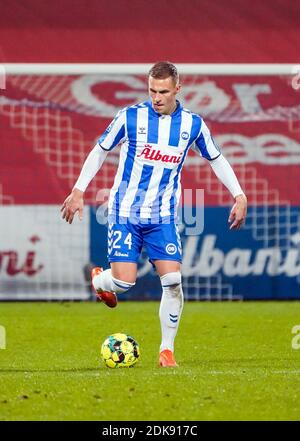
column 120, row 350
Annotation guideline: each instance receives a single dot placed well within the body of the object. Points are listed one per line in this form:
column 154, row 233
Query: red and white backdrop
column 49, row 124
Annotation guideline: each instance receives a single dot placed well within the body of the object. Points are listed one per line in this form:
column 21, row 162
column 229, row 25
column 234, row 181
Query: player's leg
column 164, row 267
column 124, row 271
column 118, row 279
column 124, row 244
column 164, row 249
column 170, row 308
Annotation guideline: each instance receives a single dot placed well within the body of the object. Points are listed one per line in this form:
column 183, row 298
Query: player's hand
column 238, row 212
column 72, row 204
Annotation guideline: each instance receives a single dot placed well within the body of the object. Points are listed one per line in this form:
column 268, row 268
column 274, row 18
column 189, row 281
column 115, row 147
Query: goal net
column 49, row 123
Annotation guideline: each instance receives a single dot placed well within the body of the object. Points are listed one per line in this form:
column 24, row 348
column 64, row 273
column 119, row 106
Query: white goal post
column 142, row 68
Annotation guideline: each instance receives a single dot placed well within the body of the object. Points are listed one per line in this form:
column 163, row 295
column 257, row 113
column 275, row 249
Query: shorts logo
column 184, row 135
column 171, row 248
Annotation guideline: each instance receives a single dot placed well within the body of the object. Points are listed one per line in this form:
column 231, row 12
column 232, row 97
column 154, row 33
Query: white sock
column 170, row 309
column 106, row 282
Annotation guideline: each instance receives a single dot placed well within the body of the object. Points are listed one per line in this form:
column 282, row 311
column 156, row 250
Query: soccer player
column 155, row 137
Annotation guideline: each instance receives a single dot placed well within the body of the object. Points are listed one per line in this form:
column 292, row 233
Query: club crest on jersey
column 155, row 155
column 184, row 135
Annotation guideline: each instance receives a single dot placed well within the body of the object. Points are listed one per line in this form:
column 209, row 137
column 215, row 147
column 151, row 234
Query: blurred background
column 51, row 116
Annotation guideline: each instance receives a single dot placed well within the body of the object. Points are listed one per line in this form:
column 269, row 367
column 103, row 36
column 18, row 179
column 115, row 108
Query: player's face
column 163, row 94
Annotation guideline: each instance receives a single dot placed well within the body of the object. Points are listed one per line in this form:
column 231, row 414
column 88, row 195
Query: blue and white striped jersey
column 153, row 149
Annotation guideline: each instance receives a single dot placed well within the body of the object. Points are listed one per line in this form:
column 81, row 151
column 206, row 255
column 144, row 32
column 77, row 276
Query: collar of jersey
column 177, row 110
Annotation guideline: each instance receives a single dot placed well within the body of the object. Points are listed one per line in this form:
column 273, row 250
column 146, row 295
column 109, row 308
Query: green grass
column 236, row 363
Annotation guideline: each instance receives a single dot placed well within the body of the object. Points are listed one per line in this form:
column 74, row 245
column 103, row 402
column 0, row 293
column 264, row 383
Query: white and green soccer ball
column 120, row 350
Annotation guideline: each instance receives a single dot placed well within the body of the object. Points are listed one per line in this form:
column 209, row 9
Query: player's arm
column 206, row 147
column 74, row 202
column 113, row 135
column 226, row 175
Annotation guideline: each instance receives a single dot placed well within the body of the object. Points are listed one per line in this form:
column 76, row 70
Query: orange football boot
column 108, row 297
column 166, row 359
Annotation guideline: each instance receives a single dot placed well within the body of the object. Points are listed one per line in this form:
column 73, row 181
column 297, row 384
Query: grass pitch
column 236, row 363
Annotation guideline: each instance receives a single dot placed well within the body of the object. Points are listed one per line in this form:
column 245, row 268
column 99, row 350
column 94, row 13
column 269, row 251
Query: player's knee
column 171, row 279
column 172, row 282
column 121, row 286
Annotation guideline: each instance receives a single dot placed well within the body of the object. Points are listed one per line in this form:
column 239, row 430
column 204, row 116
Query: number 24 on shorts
column 117, row 236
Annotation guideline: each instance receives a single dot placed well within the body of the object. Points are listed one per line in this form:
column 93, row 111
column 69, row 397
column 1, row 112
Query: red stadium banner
column 49, row 124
